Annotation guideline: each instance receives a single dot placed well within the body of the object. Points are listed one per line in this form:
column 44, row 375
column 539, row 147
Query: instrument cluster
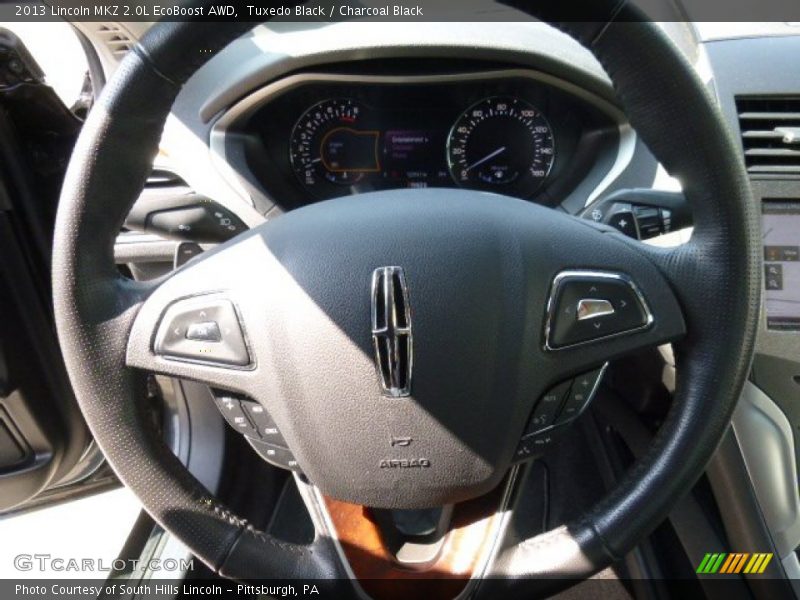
column 500, row 143
column 319, row 136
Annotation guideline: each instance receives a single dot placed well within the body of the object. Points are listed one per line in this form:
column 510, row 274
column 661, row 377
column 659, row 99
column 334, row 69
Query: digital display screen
column 414, row 158
column 781, row 240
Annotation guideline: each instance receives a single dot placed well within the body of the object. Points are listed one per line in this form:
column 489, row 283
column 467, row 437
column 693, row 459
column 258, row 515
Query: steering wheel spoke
column 605, row 297
column 193, row 324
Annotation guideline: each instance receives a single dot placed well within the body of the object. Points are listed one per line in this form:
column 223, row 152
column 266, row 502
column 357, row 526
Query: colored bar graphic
column 749, row 568
column 729, row 562
column 740, row 564
column 763, row 566
column 736, row 563
column 704, row 564
column 733, row 563
column 717, row 564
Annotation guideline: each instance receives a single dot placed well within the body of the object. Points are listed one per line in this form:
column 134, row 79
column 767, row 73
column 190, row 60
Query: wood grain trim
column 472, row 533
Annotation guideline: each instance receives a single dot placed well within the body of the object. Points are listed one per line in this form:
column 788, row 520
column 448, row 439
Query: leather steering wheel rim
column 715, row 276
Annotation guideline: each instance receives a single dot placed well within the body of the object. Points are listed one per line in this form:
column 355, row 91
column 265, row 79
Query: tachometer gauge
column 329, row 144
column 502, row 144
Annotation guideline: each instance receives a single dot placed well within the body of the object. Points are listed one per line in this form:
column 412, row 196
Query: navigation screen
column 781, row 221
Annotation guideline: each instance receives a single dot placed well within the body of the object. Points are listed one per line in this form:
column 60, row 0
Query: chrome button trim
column 598, row 275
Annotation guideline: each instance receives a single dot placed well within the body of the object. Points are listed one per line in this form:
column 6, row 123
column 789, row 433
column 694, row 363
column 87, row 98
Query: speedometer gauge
column 328, row 144
column 502, row 144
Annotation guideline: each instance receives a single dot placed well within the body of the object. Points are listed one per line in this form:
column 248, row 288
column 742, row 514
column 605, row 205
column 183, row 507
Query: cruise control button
column 265, row 426
column 203, row 329
column 547, row 408
column 523, row 451
column 280, row 457
column 231, row 409
column 589, row 306
column 625, row 222
column 580, row 394
column 533, row 445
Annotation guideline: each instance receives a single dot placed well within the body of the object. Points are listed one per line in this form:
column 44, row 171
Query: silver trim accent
column 245, row 106
column 313, row 500
column 591, row 308
column 391, row 330
column 625, row 151
column 791, row 566
column 588, row 274
column 766, row 441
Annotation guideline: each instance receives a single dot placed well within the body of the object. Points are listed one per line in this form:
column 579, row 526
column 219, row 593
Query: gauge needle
column 490, row 156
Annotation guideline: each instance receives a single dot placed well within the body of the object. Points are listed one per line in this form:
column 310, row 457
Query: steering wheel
column 450, row 295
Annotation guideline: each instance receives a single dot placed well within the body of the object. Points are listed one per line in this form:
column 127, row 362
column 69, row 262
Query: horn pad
column 401, row 334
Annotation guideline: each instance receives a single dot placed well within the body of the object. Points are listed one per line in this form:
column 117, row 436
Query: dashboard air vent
column 116, row 39
column 770, row 134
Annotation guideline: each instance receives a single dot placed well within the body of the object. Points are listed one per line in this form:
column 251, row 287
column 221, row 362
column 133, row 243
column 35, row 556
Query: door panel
column 42, row 433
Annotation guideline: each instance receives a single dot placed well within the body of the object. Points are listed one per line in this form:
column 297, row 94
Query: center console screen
column 781, row 241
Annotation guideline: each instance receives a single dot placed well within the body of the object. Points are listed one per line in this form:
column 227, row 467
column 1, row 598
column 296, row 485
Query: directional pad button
column 586, row 305
column 203, row 329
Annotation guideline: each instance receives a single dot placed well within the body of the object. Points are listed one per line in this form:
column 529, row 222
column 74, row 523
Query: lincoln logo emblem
column 391, row 330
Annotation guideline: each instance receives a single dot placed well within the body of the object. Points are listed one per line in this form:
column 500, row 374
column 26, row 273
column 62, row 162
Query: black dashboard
column 315, row 136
